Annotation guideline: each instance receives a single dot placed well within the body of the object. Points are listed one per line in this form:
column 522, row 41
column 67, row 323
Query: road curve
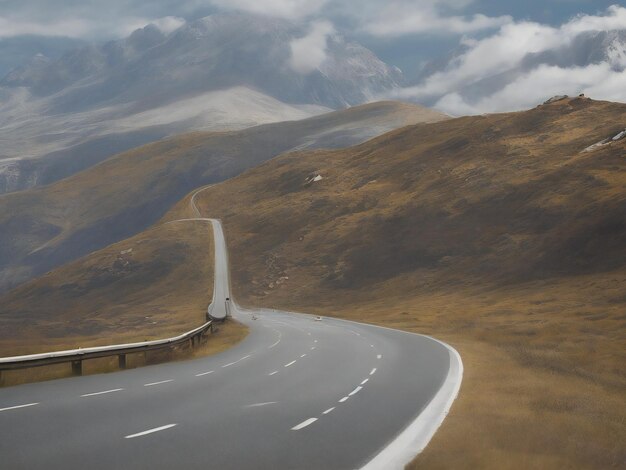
column 297, row 393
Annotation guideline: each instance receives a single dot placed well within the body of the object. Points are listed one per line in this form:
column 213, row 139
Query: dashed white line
column 343, row 399
column 355, row 391
column 102, row 393
column 292, row 362
column 204, row 373
column 328, row 410
column 235, row 362
column 303, row 355
column 150, row 431
column 365, row 381
column 379, row 356
column 256, row 405
column 312, row 348
column 371, row 345
column 304, row 424
column 272, row 373
column 18, row 406
column 280, row 335
column 158, row 383
column 373, row 371
column 315, row 341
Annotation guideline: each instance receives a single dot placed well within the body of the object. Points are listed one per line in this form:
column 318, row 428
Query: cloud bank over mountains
column 507, row 57
column 525, row 62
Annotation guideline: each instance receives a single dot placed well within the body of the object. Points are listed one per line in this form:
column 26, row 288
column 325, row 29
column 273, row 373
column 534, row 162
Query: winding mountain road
column 297, row 393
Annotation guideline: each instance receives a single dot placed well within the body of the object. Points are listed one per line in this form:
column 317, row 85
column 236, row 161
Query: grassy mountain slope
column 494, row 233
column 48, row 226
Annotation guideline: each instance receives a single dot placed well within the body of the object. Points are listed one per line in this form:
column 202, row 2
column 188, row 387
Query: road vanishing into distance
column 297, row 393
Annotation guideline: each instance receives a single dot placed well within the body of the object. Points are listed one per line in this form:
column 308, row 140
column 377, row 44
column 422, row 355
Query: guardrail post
column 77, row 367
column 122, row 361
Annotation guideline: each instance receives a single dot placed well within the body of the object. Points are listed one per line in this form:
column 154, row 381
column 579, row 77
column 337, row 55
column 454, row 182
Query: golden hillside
column 497, row 234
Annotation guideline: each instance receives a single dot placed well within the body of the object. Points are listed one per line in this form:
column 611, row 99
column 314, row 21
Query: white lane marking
column 312, row 348
column 365, row 381
column 379, row 356
column 304, row 424
column 280, row 335
column 238, row 360
column 315, row 341
column 328, row 410
column 355, row 391
column 308, row 333
column 255, row 405
column 303, row 355
column 204, row 373
column 272, row 373
column 18, row 406
column 102, row 393
column 292, row 362
column 373, row 371
column 343, row 399
column 150, row 431
column 158, row 383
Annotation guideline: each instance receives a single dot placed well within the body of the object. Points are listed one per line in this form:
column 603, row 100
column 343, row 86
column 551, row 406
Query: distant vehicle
column 318, row 318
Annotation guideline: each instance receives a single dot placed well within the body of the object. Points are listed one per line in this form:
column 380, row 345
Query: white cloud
column 69, row 28
column 291, row 9
column 167, row 24
column 499, row 59
column 84, row 28
column 309, row 52
column 394, row 18
column 397, row 22
column 599, row 81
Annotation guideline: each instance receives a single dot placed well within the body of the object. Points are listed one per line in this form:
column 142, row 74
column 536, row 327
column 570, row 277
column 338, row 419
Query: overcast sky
column 493, row 34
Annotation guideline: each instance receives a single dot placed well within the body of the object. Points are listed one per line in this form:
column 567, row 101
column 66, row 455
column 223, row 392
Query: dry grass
column 492, row 233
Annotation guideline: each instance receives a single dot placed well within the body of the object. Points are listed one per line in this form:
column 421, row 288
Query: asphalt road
column 297, row 393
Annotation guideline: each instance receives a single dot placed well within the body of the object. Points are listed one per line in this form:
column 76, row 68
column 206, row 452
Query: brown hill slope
column 46, row 227
column 494, row 233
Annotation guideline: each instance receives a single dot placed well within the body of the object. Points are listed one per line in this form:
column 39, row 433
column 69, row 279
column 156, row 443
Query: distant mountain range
column 227, row 71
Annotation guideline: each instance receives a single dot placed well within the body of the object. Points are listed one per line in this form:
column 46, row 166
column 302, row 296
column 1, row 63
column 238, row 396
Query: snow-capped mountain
column 226, row 71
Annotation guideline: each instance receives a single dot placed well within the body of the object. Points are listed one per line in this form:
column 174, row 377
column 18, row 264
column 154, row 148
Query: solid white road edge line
column 18, row 406
column 102, row 393
column 304, row 424
column 416, row 436
column 150, row 431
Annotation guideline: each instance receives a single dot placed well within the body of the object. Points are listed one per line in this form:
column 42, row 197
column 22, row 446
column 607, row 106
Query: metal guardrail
column 76, row 356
